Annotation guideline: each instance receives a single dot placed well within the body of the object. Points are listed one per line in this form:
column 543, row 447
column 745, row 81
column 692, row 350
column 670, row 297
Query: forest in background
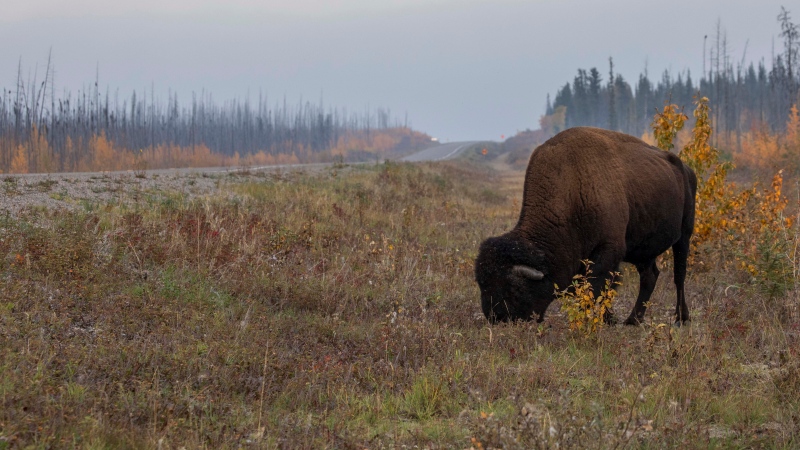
column 95, row 130
column 754, row 105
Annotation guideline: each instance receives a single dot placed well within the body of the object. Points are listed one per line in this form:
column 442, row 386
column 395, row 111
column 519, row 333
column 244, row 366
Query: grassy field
column 338, row 310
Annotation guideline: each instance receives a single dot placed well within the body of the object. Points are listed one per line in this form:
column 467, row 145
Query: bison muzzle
column 590, row 194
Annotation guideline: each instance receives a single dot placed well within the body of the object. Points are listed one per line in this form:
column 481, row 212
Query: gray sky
column 460, row 69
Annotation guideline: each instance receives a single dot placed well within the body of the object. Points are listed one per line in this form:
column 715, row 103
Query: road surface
column 439, row 152
column 160, row 172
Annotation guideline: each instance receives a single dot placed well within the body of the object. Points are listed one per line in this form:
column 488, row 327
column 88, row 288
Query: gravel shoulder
column 20, row 192
column 72, row 191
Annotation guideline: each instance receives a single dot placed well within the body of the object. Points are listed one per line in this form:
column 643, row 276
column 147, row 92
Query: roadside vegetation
column 337, row 309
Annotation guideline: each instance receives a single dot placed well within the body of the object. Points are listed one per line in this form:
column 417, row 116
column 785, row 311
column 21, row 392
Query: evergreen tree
column 612, row 105
column 564, row 98
column 595, row 108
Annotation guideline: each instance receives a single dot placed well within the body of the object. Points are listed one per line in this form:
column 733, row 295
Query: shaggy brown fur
column 590, row 194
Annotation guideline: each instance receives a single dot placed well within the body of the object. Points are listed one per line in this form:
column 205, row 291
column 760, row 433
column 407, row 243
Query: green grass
column 338, row 310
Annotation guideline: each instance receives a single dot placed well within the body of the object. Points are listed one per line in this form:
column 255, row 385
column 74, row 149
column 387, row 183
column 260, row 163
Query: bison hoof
column 680, row 323
column 633, row 321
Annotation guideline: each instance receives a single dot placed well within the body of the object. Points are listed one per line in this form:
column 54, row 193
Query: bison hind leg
column 680, row 252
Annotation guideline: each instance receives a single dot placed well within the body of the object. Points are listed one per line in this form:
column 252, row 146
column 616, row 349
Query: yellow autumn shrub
column 736, row 226
column 585, row 310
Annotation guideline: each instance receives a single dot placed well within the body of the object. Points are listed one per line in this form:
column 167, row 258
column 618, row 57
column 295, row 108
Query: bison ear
column 527, row 272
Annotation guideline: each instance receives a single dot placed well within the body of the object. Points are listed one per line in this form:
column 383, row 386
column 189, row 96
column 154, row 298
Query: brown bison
column 590, row 194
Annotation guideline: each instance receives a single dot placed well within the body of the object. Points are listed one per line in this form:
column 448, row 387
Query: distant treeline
column 33, row 116
column 743, row 97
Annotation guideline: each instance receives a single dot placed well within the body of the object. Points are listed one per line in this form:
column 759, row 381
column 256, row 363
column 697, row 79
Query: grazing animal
column 590, row 194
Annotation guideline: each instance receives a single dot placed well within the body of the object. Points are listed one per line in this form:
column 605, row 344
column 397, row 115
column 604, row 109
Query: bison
column 590, row 194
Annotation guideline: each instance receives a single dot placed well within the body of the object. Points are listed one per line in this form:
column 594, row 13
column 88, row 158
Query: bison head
column 513, row 279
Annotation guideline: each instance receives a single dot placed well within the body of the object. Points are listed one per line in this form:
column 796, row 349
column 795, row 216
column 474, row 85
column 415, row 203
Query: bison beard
column 590, row 194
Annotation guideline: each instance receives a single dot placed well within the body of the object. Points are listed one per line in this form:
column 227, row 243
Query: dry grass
column 338, row 310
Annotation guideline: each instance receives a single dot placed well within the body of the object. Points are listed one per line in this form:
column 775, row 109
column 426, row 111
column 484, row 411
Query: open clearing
column 337, row 309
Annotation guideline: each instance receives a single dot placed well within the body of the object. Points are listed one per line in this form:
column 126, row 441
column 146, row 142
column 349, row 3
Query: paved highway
column 439, row 152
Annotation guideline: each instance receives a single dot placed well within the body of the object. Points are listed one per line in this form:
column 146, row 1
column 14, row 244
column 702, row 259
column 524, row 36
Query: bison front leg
column 605, row 263
column 648, row 276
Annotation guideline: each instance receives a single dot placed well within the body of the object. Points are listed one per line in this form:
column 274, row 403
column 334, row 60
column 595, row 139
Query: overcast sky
column 460, row 69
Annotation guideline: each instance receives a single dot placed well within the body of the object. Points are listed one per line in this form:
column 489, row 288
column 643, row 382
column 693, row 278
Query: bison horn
column 528, row 272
